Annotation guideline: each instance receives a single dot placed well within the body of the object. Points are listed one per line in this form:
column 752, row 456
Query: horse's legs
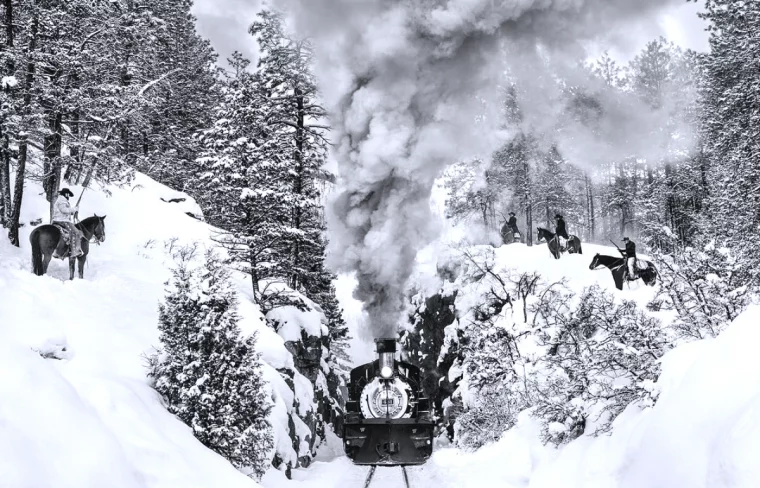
column 619, row 277
column 81, row 259
column 45, row 262
column 71, row 268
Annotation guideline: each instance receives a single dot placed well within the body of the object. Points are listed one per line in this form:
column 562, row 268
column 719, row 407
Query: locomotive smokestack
column 385, row 345
column 386, row 351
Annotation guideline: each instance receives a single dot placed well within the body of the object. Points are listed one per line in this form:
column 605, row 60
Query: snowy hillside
column 701, row 432
column 77, row 409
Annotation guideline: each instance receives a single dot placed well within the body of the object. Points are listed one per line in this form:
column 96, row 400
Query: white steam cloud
column 413, row 86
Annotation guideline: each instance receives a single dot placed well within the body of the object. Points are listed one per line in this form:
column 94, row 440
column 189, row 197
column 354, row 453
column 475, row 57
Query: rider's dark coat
column 512, row 223
column 561, row 229
column 630, row 249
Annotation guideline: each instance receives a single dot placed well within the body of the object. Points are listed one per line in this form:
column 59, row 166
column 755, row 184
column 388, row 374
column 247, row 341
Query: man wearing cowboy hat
column 62, row 213
column 561, row 231
column 630, row 256
column 512, row 223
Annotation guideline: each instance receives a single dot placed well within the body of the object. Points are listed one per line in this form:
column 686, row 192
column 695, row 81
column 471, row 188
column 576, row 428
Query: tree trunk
column 529, row 223
column 254, row 278
column 18, row 190
column 527, row 202
column 90, row 172
column 22, row 137
column 298, row 187
column 74, row 148
column 9, row 28
column 5, row 167
column 592, row 212
column 52, row 149
column 5, row 183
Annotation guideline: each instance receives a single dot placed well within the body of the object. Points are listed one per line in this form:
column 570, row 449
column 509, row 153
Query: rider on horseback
column 561, row 232
column 512, row 223
column 630, row 256
column 62, row 213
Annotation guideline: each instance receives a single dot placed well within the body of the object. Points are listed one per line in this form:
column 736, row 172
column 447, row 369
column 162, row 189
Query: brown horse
column 573, row 244
column 46, row 239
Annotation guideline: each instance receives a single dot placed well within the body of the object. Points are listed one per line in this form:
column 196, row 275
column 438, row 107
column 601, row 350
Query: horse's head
column 594, row 262
column 97, row 226
column 100, row 230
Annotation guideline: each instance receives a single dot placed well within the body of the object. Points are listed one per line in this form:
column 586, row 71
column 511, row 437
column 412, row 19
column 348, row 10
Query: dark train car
column 386, row 420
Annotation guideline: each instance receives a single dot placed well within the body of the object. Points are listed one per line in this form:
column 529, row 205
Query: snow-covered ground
column 704, row 431
column 85, row 416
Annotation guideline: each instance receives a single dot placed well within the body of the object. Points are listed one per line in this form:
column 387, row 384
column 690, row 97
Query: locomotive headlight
column 386, row 372
column 386, row 364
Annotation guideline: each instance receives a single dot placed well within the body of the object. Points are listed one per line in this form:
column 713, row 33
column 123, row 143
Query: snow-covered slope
column 702, row 433
column 85, row 416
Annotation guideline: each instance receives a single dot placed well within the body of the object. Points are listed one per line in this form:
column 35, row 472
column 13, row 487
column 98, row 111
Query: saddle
column 66, row 237
column 65, row 234
column 638, row 266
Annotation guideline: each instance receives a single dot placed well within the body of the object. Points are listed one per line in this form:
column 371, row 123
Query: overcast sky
column 225, row 23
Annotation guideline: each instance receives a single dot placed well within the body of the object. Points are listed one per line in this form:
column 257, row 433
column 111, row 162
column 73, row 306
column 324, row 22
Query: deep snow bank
column 703, row 432
column 85, row 416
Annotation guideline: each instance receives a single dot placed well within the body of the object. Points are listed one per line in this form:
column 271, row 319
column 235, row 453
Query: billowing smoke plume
column 413, row 86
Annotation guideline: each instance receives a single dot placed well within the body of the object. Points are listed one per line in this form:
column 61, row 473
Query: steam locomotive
column 387, row 421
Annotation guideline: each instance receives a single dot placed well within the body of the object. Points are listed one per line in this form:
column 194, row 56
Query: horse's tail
column 652, row 272
column 580, row 247
column 34, row 238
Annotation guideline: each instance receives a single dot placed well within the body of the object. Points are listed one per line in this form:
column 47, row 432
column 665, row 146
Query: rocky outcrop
column 424, row 345
column 304, row 335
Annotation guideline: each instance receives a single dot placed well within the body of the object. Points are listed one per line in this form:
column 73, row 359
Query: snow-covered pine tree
column 244, row 174
column 296, row 122
column 552, row 193
column 730, row 116
column 209, row 376
column 182, row 103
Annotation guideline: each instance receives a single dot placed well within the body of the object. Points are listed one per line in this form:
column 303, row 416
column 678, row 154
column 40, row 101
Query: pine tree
column 296, row 123
column 209, row 376
column 182, row 104
column 730, row 116
column 244, row 173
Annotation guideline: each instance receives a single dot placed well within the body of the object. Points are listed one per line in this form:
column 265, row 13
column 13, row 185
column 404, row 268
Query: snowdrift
column 701, row 433
column 704, row 431
column 76, row 409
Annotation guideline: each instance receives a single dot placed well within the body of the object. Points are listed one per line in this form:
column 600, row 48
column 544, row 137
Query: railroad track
column 372, row 473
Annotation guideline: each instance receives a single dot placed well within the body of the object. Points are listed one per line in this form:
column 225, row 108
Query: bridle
column 93, row 238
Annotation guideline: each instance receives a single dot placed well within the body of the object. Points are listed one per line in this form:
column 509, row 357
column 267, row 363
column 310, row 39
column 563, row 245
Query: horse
column 46, row 239
column 509, row 236
column 573, row 244
column 619, row 269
